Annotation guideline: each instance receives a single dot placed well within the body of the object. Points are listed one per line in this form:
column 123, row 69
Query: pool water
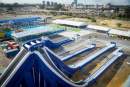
column 8, row 34
column 37, row 28
column 34, row 28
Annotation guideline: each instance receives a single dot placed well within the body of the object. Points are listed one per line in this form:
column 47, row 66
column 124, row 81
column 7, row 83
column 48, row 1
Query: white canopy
column 32, row 32
column 68, row 22
column 119, row 32
column 71, row 34
column 27, row 33
column 95, row 27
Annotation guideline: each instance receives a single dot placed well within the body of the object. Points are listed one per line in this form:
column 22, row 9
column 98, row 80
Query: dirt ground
column 121, row 76
column 3, row 61
column 114, row 23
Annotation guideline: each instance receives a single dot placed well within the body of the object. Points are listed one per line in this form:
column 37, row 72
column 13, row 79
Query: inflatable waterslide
column 37, row 66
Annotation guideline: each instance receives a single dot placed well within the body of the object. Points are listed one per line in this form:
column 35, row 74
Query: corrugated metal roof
column 71, row 34
column 119, row 32
column 68, row 22
column 95, row 27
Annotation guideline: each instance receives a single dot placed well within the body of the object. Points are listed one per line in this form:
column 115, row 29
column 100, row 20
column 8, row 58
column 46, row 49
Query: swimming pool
column 41, row 30
column 45, row 27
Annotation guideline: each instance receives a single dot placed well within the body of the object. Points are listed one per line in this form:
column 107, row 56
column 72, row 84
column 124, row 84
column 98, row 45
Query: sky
column 116, row 2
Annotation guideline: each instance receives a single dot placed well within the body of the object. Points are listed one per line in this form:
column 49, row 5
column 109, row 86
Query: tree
column 58, row 7
column 119, row 24
column 2, row 4
column 10, row 8
column 93, row 19
column 127, row 12
column 16, row 4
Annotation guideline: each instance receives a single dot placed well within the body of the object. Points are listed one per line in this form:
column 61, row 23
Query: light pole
column 97, row 8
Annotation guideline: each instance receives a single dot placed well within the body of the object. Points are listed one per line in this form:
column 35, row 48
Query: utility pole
column 97, row 8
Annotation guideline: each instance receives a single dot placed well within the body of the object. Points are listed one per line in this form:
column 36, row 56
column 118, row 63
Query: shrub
column 93, row 20
column 6, row 29
column 119, row 24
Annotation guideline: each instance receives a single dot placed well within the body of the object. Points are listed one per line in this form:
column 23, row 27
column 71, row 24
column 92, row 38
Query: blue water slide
column 63, row 67
column 78, row 52
column 92, row 77
column 53, row 45
column 36, row 70
column 86, row 61
column 32, row 45
column 33, row 71
column 71, row 69
column 54, row 32
column 65, row 41
column 49, row 44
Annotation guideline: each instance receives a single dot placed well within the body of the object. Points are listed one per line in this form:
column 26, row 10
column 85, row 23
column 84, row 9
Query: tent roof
column 95, row 27
column 71, row 34
column 70, row 23
column 119, row 32
column 33, row 32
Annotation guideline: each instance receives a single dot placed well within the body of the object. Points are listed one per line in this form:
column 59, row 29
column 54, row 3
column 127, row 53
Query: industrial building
column 119, row 33
column 70, row 23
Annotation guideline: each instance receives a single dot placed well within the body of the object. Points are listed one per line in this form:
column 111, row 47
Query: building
column 119, row 33
column 98, row 28
column 24, row 36
column 70, row 23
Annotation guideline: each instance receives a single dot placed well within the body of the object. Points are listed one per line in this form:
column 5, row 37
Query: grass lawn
column 76, row 30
